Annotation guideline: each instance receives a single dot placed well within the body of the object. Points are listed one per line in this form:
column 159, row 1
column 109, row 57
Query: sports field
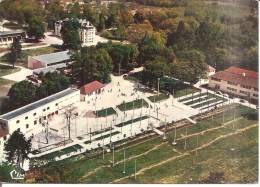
column 227, row 144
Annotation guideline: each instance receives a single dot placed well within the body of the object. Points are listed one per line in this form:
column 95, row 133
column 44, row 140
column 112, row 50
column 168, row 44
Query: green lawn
column 31, row 52
column 61, row 152
column 6, row 70
column 107, row 135
column 105, row 112
column 235, row 155
column 129, row 106
column 4, row 83
column 130, row 121
column 196, row 96
column 159, row 97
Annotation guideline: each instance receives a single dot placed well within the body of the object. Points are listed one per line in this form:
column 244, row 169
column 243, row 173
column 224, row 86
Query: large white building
column 237, row 82
column 35, row 115
column 86, row 30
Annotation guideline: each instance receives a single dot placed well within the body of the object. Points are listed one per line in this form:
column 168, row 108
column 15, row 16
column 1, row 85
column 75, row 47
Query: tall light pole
column 103, row 149
column 135, row 168
column 110, row 133
column 113, row 155
column 185, row 140
column 174, row 140
column 124, row 161
column 197, row 143
column 164, row 134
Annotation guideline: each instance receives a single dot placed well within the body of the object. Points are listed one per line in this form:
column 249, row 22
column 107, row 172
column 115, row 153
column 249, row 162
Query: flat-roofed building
column 89, row 91
column 7, row 36
column 86, row 30
column 35, row 114
column 238, row 82
column 47, row 60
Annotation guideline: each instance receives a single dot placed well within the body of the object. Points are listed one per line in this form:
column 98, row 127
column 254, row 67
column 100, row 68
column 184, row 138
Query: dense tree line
column 25, row 92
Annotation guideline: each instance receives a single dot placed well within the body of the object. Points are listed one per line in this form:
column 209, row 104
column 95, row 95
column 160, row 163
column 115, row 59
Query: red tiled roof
column 210, row 68
column 3, row 133
column 237, row 78
column 241, row 71
column 91, row 87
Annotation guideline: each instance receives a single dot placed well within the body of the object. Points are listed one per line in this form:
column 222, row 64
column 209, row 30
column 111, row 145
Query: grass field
column 220, row 149
column 30, row 52
column 158, row 97
column 6, row 70
column 105, row 112
column 129, row 106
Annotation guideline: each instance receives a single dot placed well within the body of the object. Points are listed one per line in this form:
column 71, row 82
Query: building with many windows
column 238, row 82
column 7, row 37
column 86, row 30
column 35, row 115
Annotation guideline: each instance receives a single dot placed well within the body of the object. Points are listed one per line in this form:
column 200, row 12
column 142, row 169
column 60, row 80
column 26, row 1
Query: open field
column 31, row 52
column 158, row 97
column 133, row 104
column 105, row 112
column 229, row 146
column 6, row 70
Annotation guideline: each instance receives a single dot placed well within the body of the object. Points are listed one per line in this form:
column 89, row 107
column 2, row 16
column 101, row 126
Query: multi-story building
column 35, row 115
column 86, row 30
column 238, row 82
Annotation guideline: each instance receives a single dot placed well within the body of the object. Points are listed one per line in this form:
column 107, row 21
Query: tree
column 17, row 148
column 36, row 28
column 70, row 35
column 15, row 51
column 92, row 64
column 21, row 94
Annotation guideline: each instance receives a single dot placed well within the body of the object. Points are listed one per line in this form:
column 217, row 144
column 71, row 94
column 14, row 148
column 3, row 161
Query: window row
column 34, row 114
column 232, row 89
column 215, row 79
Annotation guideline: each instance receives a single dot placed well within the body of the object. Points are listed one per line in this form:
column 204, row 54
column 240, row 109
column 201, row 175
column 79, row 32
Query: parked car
column 125, row 75
column 241, row 101
column 219, row 92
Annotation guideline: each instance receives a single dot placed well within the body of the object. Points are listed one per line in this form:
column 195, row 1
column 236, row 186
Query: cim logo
column 16, row 175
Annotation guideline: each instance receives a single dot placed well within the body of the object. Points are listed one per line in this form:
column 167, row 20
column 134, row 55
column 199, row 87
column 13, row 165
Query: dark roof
column 32, row 106
column 237, row 78
column 3, row 133
column 240, row 71
column 4, row 33
column 53, row 57
column 91, row 87
column 50, row 68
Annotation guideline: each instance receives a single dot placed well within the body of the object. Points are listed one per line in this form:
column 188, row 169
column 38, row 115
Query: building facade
column 86, row 30
column 89, row 91
column 237, row 82
column 35, row 115
column 7, row 37
column 48, row 60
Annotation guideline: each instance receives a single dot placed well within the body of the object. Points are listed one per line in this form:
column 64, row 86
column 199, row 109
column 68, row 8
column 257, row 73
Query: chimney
column 244, row 74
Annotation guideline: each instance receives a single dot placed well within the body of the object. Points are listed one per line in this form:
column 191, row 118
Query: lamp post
column 124, row 161
column 172, row 96
column 164, row 134
column 135, row 168
column 113, row 155
column 185, row 140
column 174, row 140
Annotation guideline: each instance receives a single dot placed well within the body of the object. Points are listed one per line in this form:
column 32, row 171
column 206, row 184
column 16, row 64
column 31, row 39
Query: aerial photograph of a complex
column 129, row 91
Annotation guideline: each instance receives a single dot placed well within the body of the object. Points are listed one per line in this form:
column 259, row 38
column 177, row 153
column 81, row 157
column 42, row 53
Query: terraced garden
column 225, row 144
